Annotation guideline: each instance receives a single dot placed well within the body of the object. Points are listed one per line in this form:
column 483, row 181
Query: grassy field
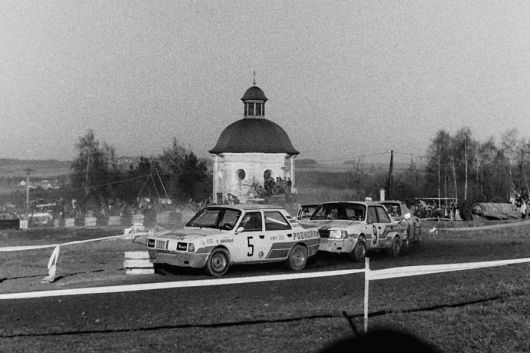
column 482, row 310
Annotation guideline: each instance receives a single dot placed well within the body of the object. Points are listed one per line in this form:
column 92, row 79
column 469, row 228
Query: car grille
column 161, row 244
column 324, row 233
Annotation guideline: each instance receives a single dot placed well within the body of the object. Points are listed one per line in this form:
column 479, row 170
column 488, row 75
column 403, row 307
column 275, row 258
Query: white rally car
column 218, row 236
column 354, row 228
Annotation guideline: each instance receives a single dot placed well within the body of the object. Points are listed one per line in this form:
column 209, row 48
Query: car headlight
column 191, row 247
column 338, row 234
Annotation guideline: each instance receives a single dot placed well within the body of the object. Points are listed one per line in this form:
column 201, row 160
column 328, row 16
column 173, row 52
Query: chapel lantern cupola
column 254, row 100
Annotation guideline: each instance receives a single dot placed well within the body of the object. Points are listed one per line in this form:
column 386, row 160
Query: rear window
column 372, row 216
column 275, row 221
column 382, row 215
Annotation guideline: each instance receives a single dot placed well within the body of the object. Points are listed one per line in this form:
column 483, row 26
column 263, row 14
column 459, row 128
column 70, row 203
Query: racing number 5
column 250, row 246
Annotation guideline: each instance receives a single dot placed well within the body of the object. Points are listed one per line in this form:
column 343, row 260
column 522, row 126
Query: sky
column 344, row 79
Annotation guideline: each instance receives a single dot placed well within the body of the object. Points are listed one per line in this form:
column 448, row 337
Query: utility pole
column 28, row 172
column 390, row 177
column 454, row 178
column 439, row 178
column 465, row 162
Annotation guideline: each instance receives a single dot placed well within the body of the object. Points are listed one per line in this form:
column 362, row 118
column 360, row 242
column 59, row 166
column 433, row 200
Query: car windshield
column 349, row 211
column 215, row 217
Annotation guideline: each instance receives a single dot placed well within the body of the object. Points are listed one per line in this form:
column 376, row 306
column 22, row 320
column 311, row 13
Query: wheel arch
column 222, row 247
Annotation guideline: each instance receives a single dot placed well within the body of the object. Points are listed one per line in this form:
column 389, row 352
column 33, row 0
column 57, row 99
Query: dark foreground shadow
column 380, row 340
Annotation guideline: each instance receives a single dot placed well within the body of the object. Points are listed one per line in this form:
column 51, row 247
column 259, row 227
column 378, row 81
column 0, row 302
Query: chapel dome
column 254, row 93
column 254, row 135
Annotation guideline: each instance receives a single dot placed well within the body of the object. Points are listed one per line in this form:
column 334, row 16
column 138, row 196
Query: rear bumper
column 184, row 259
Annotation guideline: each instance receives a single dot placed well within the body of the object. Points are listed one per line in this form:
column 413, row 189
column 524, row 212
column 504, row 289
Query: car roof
column 366, row 203
column 247, row 207
column 392, row 201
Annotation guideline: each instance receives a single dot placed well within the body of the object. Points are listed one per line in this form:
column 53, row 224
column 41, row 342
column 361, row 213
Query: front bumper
column 181, row 259
column 337, row 245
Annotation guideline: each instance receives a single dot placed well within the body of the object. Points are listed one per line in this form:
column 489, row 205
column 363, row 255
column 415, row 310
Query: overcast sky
column 343, row 78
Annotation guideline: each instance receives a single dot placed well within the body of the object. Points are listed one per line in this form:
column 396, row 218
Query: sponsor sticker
column 305, row 235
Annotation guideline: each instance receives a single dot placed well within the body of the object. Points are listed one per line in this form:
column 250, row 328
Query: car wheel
column 218, row 263
column 297, row 258
column 395, row 249
column 359, row 251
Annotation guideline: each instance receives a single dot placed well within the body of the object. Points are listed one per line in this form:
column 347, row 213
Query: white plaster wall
column 226, row 166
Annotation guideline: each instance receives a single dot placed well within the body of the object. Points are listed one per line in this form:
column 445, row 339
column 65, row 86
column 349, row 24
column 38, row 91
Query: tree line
column 462, row 167
column 456, row 166
column 97, row 177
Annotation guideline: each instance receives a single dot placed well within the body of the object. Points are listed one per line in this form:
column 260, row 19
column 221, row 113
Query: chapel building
column 254, row 157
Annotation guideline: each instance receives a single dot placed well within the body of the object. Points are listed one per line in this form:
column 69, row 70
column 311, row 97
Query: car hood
column 339, row 223
column 325, row 222
column 188, row 234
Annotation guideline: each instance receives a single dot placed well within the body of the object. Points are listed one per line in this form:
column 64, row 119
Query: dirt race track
column 483, row 310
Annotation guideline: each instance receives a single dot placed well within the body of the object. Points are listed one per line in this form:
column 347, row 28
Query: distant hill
column 41, row 168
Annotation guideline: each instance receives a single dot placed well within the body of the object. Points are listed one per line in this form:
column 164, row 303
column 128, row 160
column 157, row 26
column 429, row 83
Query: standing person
column 523, row 209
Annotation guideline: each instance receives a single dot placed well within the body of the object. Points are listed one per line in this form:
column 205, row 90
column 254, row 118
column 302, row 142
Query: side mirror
column 407, row 216
column 240, row 229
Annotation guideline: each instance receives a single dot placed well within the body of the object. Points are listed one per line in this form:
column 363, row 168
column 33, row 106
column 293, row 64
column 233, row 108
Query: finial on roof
column 254, row 80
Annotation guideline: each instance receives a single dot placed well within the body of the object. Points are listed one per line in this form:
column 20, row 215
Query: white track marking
column 407, row 271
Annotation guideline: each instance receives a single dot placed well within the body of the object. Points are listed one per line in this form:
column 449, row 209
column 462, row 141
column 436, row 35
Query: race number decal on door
column 250, row 247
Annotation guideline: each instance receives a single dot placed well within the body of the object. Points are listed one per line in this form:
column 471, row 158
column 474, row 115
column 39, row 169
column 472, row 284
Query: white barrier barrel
column 69, row 222
column 90, row 221
column 114, row 220
column 23, row 224
column 138, row 263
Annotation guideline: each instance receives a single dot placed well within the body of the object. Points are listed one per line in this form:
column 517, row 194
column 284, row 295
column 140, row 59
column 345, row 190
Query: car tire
column 395, row 248
column 297, row 258
column 359, row 251
column 217, row 263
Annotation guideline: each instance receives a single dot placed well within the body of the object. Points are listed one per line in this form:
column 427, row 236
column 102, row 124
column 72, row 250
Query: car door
column 383, row 222
column 251, row 239
column 372, row 231
column 279, row 237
